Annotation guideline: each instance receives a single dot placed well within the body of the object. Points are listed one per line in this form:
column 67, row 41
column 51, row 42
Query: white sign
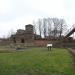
column 49, row 45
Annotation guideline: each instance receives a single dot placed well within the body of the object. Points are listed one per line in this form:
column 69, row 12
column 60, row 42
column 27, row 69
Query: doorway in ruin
column 22, row 41
column 14, row 40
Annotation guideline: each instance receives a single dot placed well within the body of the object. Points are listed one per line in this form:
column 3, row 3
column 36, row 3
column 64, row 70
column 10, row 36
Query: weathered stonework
column 23, row 36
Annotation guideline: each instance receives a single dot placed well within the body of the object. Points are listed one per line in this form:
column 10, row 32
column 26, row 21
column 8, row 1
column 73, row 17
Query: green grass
column 37, row 61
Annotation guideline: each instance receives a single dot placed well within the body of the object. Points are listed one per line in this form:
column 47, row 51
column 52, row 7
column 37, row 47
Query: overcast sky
column 15, row 14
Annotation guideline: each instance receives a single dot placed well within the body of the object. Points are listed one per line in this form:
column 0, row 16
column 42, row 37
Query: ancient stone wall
column 24, row 36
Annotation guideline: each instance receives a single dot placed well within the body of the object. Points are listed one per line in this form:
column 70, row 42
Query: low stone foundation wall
column 42, row 42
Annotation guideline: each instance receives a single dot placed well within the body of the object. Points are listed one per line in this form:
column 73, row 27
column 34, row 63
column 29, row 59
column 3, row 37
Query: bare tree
column 34, row 29
column 40, row 26
column 50, row 27
column 44, row 27
column 62, row 27
column 49, row 20
column 56, row 23
column 11, row 32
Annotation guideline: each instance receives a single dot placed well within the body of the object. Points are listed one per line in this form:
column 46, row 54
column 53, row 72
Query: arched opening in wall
column 22, row 41
column 14, row 40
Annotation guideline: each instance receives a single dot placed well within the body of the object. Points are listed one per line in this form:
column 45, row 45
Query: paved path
column 72, row 51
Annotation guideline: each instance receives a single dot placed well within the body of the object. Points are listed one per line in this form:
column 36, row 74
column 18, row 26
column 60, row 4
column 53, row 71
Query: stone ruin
column 23, row 36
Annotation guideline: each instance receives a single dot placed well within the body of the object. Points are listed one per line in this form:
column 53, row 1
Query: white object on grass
column 49, row 45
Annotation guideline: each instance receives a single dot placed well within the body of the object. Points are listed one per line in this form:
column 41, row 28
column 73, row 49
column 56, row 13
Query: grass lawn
column 36, row 61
